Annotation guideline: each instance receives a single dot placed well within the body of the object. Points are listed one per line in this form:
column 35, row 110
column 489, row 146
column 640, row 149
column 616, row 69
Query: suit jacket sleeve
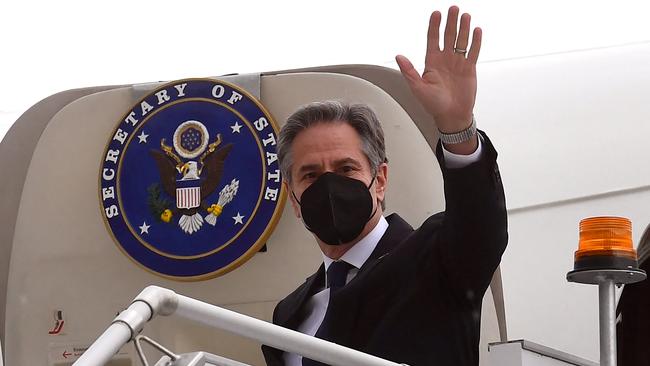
column 474, row 227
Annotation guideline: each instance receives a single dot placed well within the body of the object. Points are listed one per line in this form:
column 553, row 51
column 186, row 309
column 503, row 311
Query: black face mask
column 336, row 208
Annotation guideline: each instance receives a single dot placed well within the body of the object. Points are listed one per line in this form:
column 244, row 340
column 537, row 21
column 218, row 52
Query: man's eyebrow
column 308, row 167
column 347, row 161
column 340, row 162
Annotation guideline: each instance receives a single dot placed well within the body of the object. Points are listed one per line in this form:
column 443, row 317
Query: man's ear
column 382, row 181
column 292, row 199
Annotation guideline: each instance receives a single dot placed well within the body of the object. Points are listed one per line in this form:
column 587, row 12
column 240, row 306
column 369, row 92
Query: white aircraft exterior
column 571, row 129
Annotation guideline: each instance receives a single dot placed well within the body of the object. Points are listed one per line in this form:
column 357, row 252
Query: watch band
column 459, row 137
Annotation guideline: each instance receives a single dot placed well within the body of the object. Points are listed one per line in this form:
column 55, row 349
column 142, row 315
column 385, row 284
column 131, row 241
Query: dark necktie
column 337, row 274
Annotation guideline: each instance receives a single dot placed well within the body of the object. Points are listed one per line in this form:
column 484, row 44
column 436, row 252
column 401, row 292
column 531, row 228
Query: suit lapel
column 289, row 310
column 288, row 315
column 346, row 303
column 398, row 230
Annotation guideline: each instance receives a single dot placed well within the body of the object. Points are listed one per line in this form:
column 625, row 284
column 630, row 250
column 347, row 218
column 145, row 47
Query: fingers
column 460, row 39
column 455, row 37
column 472, row 56
column 450, row 28
column 408, row 71
column 433, row 35
column 463, row 33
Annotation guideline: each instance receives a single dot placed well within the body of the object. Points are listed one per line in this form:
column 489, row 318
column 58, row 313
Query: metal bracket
column 154, row 344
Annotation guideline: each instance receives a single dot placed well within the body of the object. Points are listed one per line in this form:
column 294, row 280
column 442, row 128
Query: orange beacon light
column 605, row 242
column 606, row 257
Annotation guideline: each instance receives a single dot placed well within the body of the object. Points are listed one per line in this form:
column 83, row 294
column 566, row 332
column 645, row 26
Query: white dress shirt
column 316, row 306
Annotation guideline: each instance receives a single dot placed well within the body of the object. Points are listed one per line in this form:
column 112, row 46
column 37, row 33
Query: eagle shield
column 198, row 179
column 188, row 193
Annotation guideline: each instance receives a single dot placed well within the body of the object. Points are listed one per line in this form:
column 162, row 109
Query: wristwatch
column 459, row 137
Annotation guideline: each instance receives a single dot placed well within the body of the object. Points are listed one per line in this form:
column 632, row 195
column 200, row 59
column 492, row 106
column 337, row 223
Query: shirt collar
column 361, row 251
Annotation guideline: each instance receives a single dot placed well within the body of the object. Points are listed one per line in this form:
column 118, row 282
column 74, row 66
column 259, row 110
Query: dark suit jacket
column 417, row 299
column 633, row 329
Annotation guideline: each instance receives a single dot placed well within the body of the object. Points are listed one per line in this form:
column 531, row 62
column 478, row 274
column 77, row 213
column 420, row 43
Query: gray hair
column 359, row 116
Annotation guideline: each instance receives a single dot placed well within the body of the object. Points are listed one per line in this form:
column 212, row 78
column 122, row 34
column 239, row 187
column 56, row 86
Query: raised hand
column 447, row 87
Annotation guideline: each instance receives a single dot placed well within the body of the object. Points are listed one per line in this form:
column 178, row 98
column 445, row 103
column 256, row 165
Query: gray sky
column 51, row 46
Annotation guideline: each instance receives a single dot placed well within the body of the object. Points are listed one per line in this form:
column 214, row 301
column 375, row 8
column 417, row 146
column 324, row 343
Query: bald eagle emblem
column 192, row 179
column 190, row 183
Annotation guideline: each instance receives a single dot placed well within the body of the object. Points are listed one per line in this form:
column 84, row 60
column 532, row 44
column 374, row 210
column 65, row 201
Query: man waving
column 409, row 295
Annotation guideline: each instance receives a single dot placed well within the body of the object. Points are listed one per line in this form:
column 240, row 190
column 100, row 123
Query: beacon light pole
column 605, row 257
column 155, row 300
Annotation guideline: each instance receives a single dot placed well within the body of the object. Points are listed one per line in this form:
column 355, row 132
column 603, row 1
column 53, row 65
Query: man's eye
column 347, row 169
column 310, row 175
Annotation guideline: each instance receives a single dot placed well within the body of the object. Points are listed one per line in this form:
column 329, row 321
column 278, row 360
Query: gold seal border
column 262, row 239
column 139, row 237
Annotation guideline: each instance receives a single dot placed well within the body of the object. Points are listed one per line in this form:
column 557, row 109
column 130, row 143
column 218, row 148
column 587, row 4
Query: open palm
column 447, row 87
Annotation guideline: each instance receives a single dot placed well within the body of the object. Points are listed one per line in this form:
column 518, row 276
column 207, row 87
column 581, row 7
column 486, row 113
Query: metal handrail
column 155, row 300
